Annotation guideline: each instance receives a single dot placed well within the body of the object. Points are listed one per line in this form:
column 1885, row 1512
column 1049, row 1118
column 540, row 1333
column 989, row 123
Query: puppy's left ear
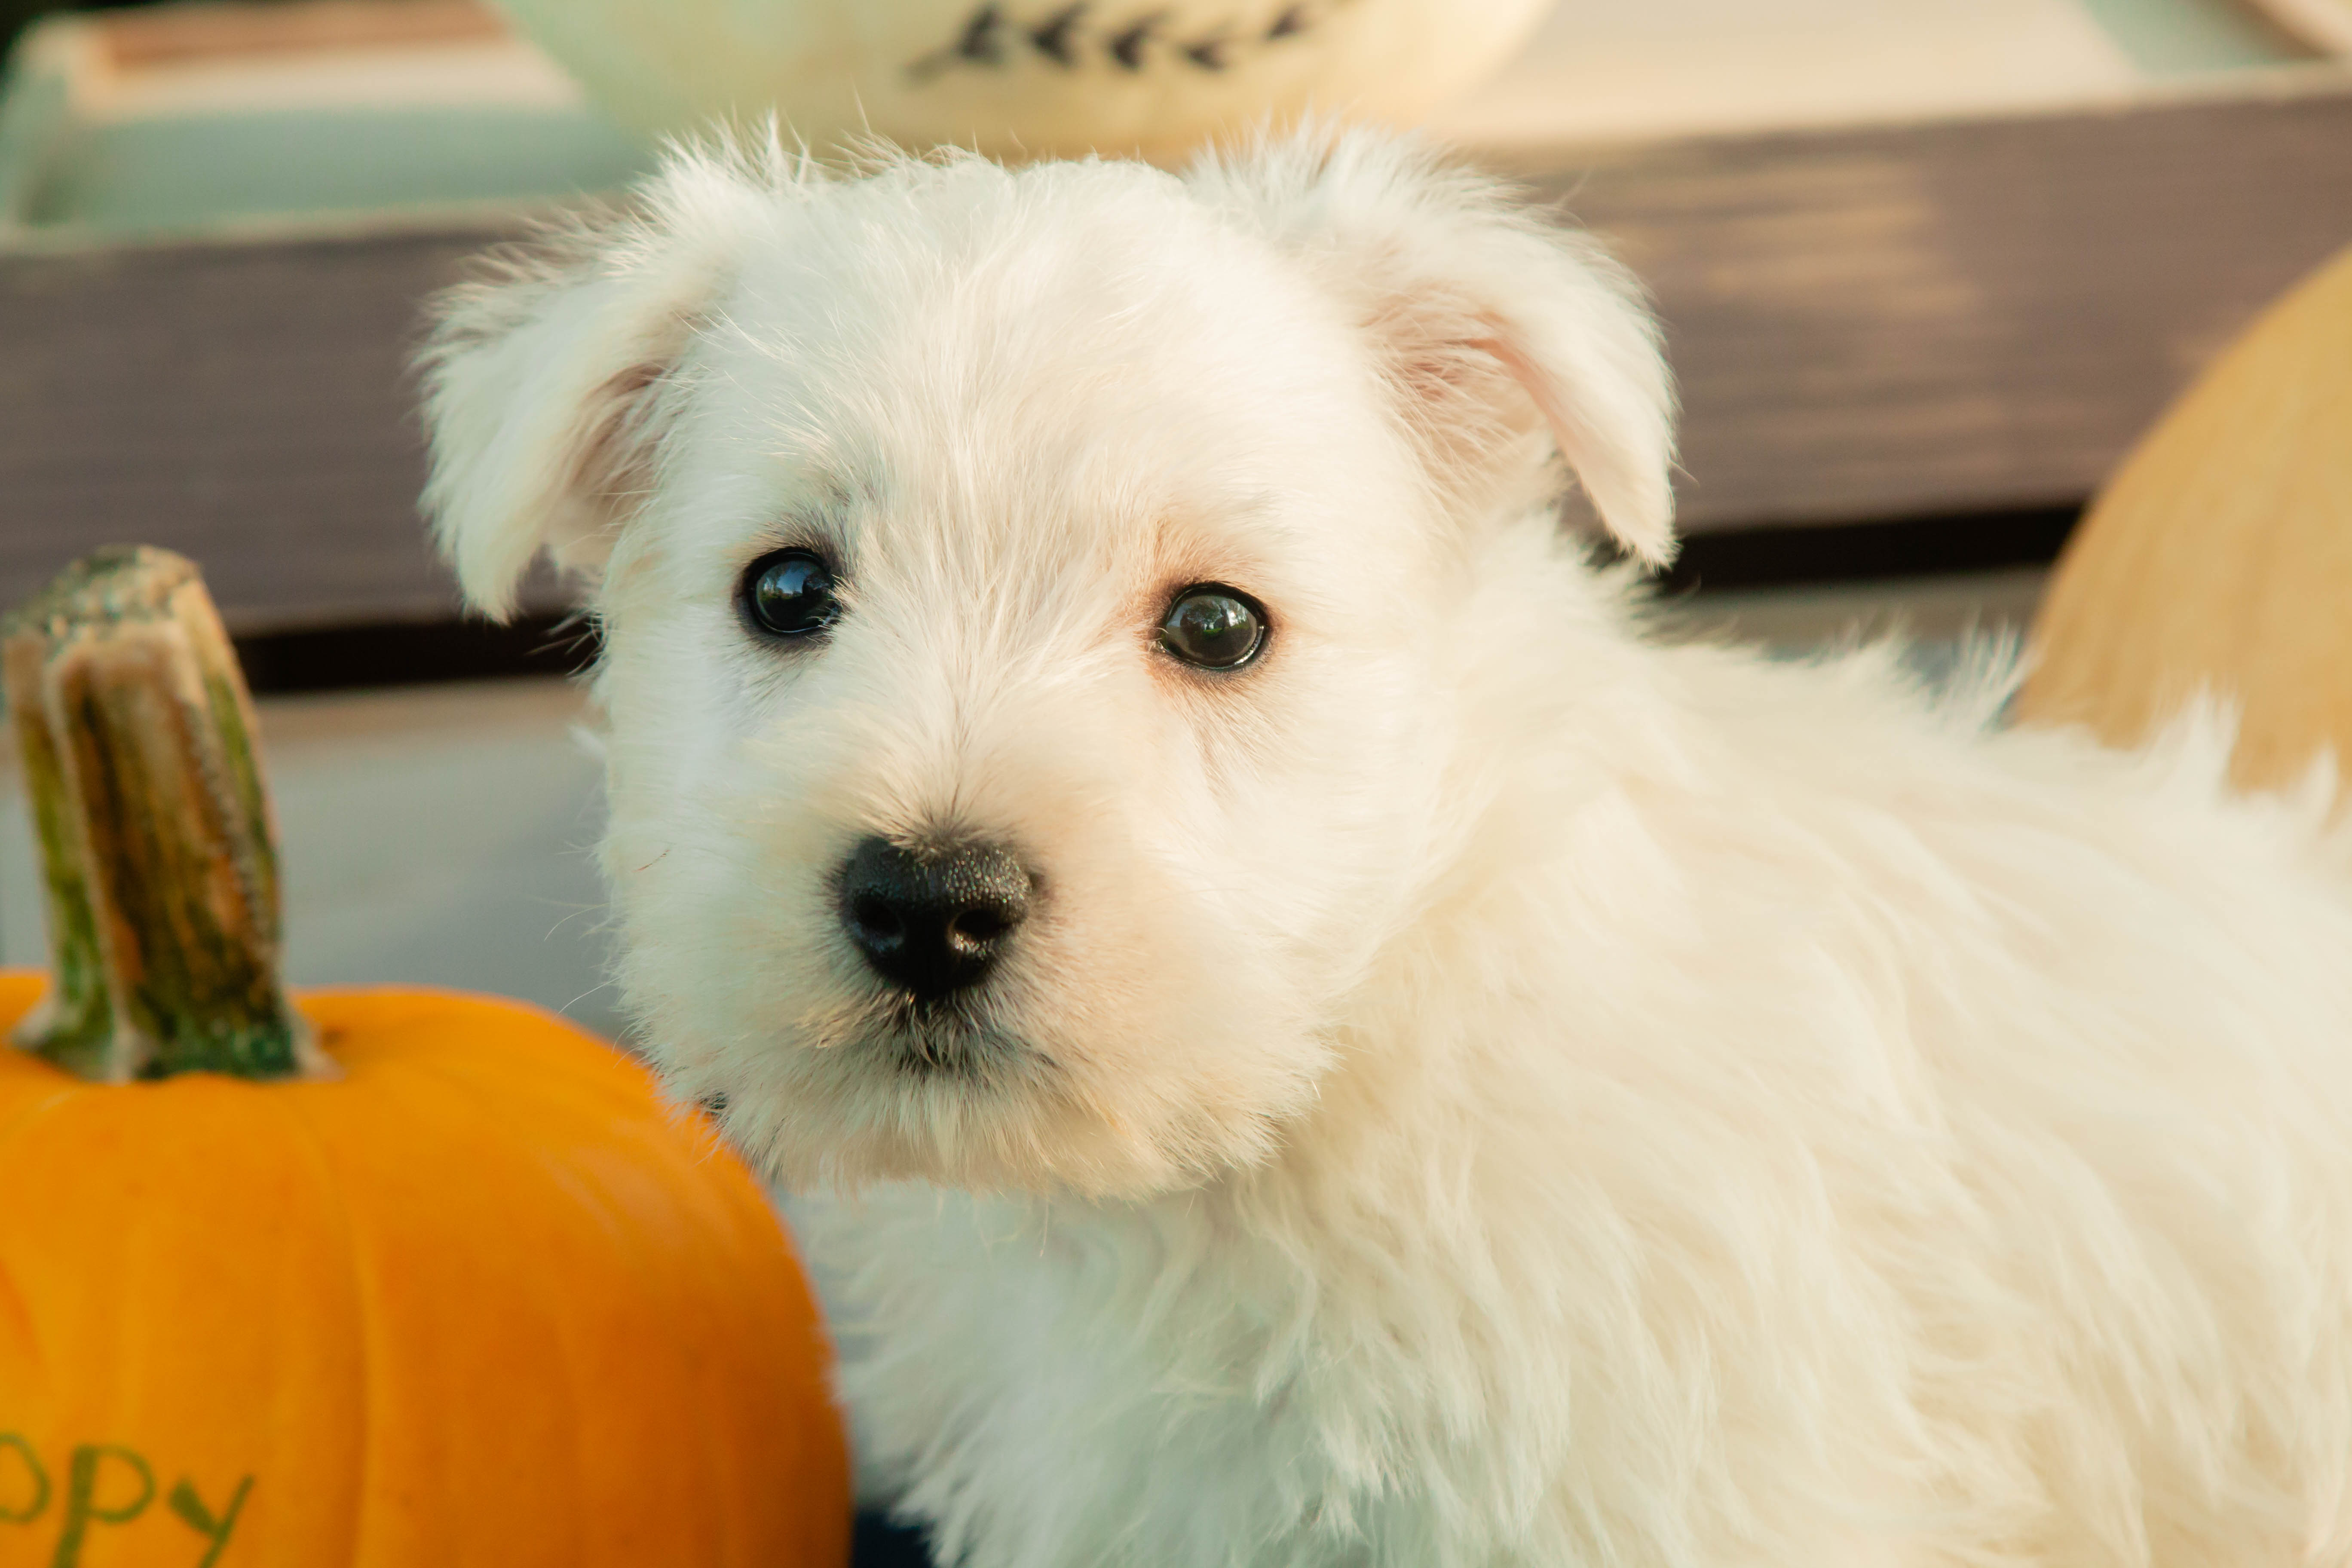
column 551, row 378
column 1493, row 324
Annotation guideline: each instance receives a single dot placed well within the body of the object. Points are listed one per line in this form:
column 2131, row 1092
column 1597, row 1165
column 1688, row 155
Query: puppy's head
column 1033, row 603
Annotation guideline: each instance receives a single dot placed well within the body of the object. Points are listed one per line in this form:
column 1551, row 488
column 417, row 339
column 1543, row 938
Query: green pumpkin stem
column 138, row 742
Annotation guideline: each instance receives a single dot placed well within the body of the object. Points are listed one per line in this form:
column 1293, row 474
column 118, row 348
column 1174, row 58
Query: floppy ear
column 549, row 377
column 1495, row 324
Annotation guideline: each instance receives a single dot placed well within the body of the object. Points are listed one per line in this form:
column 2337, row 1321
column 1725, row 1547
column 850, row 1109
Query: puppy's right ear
column 1496, row 327
column 551, row 376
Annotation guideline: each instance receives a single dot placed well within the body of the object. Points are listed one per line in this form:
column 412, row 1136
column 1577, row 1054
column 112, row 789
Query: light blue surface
column 180, row 174
column 2193, row 37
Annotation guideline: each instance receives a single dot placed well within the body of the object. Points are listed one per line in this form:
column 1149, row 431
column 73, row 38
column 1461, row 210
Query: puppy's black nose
column 932, row 920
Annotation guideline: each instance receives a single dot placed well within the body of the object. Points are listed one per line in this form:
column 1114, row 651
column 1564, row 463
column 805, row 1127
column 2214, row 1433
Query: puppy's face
column 1029, row 602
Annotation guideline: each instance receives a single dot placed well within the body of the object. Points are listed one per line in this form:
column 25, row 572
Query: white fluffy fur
column 1484, row 1086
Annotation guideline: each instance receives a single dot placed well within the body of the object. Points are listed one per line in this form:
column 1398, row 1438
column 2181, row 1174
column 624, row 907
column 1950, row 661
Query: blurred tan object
column 2220, row 553
column 1024, row 77
column 2323, row 24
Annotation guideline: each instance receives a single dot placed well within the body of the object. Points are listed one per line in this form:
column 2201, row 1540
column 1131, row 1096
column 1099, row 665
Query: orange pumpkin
column 465, row 1293
column 2219, row 555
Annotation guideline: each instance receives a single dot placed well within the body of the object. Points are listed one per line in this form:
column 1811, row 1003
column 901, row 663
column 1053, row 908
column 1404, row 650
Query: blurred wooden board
column 178, row 35
column 1868, row 322
column 1956, row 317
column 247, row 405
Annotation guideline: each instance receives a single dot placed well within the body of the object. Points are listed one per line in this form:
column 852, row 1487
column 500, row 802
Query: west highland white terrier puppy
column 1343, row 1048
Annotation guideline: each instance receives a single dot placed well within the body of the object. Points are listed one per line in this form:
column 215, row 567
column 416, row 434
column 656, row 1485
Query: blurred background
column 1927, row 267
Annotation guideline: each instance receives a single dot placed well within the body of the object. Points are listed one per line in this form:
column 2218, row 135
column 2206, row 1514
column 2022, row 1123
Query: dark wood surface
column 1964, row 317
column 1867, row 325
column 247, row 404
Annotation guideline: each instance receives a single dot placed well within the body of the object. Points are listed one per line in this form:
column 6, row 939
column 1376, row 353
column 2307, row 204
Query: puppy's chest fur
column 1057, row 1384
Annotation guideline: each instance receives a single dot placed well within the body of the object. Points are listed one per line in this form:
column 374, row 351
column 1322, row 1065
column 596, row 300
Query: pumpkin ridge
column 17, row 1317
column 12, row 1126
column 428, row 1086
column 330, row 1183
column 476, row 1104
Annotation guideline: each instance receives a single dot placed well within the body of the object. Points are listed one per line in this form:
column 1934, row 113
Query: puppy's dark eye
column 790, row 593
column 1213, row 626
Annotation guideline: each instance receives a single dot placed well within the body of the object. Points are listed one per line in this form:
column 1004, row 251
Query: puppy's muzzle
column 932, row 918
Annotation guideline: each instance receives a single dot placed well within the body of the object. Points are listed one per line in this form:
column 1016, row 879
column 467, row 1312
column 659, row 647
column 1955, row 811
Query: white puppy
column 1351, row 1052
